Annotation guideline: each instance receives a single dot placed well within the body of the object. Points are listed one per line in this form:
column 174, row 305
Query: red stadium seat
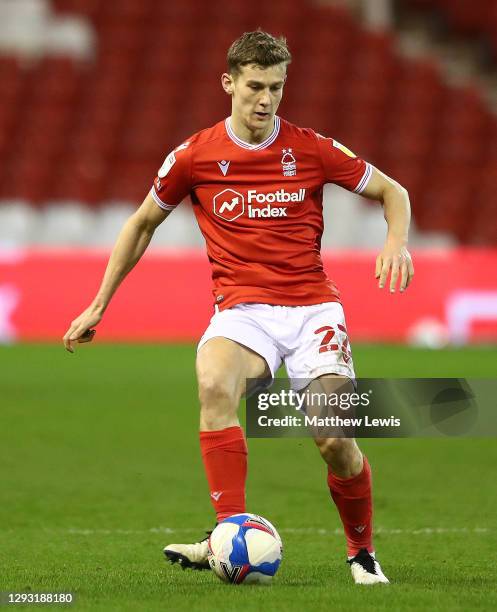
column 81, row 179
column 135, row 180
column 137, row 14
column 468, row 17
column 26, row 179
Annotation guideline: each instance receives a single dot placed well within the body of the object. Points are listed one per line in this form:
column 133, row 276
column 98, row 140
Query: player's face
column 256, row 95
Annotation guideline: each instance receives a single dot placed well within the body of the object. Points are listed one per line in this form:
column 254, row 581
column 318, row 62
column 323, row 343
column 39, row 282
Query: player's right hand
column 81, row 329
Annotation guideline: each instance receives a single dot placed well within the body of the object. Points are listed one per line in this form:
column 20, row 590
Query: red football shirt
column 259, row 208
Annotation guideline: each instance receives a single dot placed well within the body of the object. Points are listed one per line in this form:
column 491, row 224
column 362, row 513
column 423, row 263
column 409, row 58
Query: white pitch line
column 289, row 530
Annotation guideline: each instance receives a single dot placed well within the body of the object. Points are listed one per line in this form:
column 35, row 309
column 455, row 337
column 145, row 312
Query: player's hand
column 81, row 329
column 395, row 260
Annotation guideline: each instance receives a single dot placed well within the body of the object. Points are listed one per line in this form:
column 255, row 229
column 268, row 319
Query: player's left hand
column 394, row 260
column 82, row 328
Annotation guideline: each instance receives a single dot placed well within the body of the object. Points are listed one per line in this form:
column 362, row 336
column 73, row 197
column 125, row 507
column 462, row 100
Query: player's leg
column 234, row 348
column 323, row 355
column 349, row 481
column 349, row 474
column 341, row 454
column 223, row 366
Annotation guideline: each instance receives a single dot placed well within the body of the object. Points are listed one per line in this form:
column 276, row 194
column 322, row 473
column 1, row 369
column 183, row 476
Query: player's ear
column 227, row 83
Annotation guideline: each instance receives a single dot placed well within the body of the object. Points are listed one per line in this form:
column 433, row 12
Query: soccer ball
column 245, row 548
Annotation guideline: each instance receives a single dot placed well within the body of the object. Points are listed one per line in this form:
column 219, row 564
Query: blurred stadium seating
column 95, row 130
column 466, row 17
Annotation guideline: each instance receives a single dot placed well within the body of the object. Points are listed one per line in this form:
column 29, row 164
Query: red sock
column 353, row 498
column 225, row 459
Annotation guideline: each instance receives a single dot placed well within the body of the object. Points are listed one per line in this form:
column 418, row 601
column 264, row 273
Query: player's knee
column 215, row 392
column 342, row 455
column 218, row 404
column 335, row 447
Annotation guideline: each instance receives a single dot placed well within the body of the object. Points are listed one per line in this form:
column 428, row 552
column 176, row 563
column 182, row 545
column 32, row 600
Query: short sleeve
column 173, row 181
column 342, row 167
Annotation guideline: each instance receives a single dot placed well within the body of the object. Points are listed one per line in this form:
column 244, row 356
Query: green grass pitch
column 100, row 468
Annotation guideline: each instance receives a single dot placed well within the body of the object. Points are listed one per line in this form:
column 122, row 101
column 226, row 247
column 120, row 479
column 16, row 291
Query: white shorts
column 309, row 340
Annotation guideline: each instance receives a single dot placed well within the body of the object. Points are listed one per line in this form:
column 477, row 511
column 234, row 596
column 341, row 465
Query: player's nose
column 265, row 99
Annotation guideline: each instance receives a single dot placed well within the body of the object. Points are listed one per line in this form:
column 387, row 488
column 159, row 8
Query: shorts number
column 330, row 342
column 326, row 342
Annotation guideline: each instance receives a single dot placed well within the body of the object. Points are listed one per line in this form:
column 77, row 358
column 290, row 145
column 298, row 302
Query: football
column 245, row 548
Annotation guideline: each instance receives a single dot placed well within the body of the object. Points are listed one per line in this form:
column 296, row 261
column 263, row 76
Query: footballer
column 256, row 186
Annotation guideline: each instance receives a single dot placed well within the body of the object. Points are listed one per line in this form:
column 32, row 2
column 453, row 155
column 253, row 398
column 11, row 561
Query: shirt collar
column 253, row 147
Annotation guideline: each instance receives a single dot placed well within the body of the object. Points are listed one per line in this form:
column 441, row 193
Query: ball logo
column 229, row 205
column 234, row 573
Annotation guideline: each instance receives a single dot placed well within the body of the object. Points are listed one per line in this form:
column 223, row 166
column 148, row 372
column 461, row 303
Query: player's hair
column 259, row 48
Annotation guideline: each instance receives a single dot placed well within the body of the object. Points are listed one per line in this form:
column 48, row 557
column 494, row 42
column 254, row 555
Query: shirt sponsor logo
column 280, row 196
column 267, row 211
column 230, row 204
column 276, row 196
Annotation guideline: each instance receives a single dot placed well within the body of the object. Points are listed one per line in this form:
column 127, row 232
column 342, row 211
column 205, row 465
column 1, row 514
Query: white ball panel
column 221, row 540
column 216, row 568
column 276, row 534
column 262, row 547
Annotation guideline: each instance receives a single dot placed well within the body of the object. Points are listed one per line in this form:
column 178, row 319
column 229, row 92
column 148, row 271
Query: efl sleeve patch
column 167, row 165
column 341, row 166
column 173, row 181
column 343, row 148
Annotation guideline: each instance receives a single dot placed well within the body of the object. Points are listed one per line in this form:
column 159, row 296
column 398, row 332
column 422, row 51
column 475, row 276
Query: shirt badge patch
column 288, row 163
column 182, row 146
column 167, row 165
column 343, row 148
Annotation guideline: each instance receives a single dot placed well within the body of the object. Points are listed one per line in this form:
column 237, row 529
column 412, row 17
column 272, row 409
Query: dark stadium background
column 100, row 465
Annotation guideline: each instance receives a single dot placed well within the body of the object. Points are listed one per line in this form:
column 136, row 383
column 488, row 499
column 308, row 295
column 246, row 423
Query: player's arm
column 131, row 243
column 394, row 257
